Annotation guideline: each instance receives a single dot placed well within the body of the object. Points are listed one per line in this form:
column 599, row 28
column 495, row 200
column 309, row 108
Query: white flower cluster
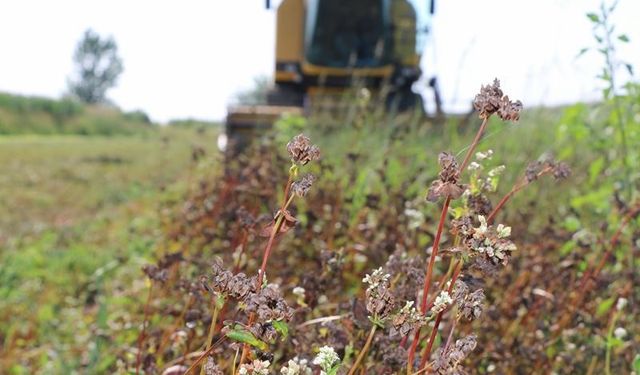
column 443, row 300
column 327, row 357
column 473, row 166
column 621, row 303
column 485, row 242
column 407, row 308
column 375, row 279
column 497, row 171
column 503, row 231
column 257, row 367
column 484, row 155
column 296, row 366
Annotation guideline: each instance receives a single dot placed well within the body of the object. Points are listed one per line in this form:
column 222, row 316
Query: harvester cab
column 324, row 47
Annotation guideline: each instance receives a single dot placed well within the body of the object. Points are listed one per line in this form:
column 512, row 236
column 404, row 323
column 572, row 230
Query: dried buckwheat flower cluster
column 302, row 150
column 380, row 300
column 447, row 182
column 448, row 361
column 491, row 100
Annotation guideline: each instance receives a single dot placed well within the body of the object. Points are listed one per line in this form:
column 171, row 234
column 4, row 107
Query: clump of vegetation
column 296, row 313
column 37, row 115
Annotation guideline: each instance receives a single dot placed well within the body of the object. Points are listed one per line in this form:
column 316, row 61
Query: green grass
column 59, row 181
column 80, row 214
column 38, row 115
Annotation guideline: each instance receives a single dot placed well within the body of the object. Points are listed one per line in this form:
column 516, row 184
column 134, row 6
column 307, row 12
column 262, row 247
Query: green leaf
column 281, row 327
column 604, row 306
column 623, row 38
column 571, row 223
column 582, row 51
column 334, row 370
column 244, row 336
column 593, row 17
column 636, row 363
column 629, row 68
column 567, row 247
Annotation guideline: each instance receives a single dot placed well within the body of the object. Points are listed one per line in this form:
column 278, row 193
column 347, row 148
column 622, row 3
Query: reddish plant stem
column 436, row 244
column 412, row 351
column 474, row 144
column 204, row 355
column 404, row 340
column 516, row 188
column 434, row 254
column 427, row 350
column 427, row 280
column 267, row 252
column 141, row 337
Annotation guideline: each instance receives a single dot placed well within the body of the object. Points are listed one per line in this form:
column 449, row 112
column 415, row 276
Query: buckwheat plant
column 476, row 241
column 268, row 312
column 301, row 151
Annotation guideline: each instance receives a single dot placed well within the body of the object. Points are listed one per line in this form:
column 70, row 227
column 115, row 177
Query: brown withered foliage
column 447, row 182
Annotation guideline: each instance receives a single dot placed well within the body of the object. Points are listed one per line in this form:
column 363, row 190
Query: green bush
column 38, row 115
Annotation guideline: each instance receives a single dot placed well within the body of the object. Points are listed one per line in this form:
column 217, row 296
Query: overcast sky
column 189, row 58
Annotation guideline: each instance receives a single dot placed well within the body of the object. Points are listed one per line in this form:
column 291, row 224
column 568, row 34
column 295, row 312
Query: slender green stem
column 607, row 358
column 212, row 327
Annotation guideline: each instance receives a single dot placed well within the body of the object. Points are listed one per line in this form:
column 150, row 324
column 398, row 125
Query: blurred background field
column 92, row 193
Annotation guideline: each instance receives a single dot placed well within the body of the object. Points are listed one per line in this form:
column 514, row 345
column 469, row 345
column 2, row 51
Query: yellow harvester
column 325, row 46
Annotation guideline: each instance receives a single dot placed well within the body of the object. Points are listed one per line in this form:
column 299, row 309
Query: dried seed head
column 268, row 304
column 491, row 100
column 211, row 368
column 301, row 150
column 471, row 305
column 302, row 186
column 155, row 273
column 561, row 171
column 547, row 164
column 447, row 182
column 223, row 281
column 447, row 360
column 509, row 111
column 488, row 100
column 406, row 320
column 462, row 227
column 380, row 300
